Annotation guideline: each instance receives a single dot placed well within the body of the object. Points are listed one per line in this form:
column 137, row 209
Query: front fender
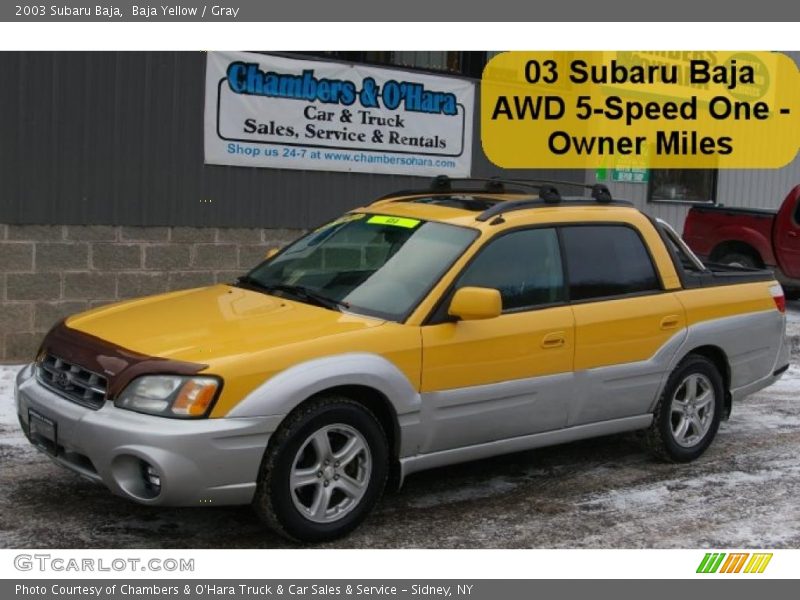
column 281, row 393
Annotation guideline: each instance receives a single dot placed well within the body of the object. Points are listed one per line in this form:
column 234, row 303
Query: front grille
column 71, row 381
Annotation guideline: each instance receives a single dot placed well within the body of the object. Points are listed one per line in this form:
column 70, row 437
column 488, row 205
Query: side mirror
column 473, row 303
column 271, row 252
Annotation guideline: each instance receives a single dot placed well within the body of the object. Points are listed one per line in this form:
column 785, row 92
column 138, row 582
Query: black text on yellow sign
column 661, row 109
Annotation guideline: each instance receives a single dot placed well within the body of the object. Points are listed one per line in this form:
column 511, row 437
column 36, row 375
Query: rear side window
column 607, row 260
column 797, row 213
column 525, row 266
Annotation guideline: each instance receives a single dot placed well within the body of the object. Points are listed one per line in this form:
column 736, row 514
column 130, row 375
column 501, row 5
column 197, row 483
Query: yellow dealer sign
column 668, row 109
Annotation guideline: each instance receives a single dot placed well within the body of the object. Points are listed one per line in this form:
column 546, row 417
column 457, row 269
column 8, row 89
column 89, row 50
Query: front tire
column 688, row 414
column 324, row 470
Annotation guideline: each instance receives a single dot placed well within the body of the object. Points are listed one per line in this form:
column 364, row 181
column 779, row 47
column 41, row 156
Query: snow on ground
column 10, row 433
column 793, row 312
column 793, row 325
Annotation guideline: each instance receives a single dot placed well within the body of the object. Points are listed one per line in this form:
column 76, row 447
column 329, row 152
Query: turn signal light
column 195, row 397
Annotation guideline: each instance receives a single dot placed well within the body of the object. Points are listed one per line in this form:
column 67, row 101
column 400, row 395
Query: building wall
column 752, row 188
column 758, row 188
column 51, row 271
column 116, row 138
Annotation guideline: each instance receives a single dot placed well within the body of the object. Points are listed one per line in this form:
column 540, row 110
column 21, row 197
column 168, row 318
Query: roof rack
column 547, row 193
column 444, row 183
column 546, row 187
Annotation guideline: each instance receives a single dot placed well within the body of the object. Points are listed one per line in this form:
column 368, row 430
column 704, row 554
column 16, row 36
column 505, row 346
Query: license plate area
column 43, row 432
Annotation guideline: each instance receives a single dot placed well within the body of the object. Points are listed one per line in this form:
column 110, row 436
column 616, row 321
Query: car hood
column 209, row 323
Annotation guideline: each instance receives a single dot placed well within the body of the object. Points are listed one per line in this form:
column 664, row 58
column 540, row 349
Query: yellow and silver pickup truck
column 431, row 327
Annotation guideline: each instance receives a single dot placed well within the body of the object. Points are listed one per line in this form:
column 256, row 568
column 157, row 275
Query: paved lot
column 604, row 493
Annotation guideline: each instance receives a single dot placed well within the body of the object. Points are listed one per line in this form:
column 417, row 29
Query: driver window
column 524, row 266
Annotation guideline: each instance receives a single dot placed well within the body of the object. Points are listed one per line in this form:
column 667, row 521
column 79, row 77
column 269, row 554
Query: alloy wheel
column 692, row 410
column 330, row 473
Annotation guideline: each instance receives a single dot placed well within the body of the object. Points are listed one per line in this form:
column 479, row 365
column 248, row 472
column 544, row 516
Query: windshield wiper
column 304, row 293
column 298, row 291
column 252, row 283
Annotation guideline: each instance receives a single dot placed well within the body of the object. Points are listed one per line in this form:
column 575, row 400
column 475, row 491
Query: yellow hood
column 203, row 324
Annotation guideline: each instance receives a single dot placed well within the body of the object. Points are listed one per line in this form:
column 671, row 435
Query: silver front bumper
column 200, row 462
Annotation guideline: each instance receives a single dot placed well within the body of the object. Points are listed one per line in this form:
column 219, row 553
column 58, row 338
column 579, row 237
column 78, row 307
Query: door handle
column 670, row 322
column 554, row 340
column 791, row 233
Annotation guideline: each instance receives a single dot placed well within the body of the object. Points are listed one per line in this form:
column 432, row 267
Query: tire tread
column 262, row 500
column 654, row 439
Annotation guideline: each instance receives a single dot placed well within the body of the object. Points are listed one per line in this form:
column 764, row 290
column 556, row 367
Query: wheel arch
column 367, row 378
column 281, row 392
column 378, row 404
column 728, row 246
column 719, row 359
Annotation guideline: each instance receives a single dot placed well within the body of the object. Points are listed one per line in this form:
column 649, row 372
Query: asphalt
column 603, row 493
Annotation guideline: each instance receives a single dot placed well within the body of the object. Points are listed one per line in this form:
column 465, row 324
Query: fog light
column 152, row 478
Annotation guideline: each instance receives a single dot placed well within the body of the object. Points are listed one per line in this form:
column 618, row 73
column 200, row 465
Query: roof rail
column 444, row 183
column 500, row 208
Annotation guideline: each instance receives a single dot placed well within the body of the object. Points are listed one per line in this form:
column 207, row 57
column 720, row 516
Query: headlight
column 170, row 395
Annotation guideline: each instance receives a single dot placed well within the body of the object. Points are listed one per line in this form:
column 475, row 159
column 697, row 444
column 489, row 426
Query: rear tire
column 324, row 470
column 687, row 416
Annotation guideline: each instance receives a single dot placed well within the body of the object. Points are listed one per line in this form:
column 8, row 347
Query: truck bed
column 736, row 210
column 717, row 274
column 715, row 231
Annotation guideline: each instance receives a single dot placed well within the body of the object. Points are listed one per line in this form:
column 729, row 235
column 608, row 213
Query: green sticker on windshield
column 394, row 221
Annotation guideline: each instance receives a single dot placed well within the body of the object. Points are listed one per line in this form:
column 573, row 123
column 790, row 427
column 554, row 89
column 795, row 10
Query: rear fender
column 746, row 235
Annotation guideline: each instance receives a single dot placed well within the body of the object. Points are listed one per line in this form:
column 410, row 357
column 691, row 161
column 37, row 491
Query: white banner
column 268, row 111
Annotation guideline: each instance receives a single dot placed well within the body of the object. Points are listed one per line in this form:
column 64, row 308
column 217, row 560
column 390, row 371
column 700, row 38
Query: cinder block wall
column 48, row 272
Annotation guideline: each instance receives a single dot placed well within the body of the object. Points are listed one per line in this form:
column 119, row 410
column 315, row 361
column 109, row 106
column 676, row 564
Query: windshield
column 372, row 264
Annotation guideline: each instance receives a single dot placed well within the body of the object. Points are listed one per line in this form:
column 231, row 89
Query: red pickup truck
column 748, row 237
